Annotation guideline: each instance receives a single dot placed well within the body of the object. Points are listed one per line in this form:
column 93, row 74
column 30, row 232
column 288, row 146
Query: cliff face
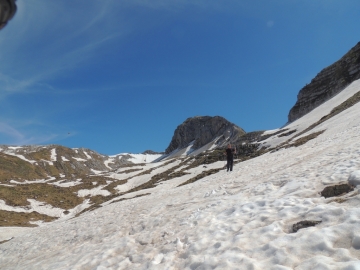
column 202, row 130
column 327, row 83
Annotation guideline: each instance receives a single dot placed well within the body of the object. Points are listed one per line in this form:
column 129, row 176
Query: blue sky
column 119, row 76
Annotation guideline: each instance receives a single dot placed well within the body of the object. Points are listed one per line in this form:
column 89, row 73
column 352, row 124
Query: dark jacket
column 230, row 153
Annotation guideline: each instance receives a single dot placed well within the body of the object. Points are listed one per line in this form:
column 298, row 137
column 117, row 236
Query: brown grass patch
column 11, row 219
column 56, row 196
column 40, row 154
column 305, row 139
column 287, row 133
column 14, row 168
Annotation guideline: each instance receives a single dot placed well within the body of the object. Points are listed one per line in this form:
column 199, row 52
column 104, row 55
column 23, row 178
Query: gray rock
column 336, row 190
column 202, row 130
column 329, row 82
column 151, row 152
column 356, row 241
column 304, row 224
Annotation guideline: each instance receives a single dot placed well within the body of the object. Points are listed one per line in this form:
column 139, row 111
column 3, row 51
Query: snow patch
column 79, row 159
column 107, row 162
column 48, row 162
column 53, row 154
column 93, row 192
column 87, row 155
column 97, row 172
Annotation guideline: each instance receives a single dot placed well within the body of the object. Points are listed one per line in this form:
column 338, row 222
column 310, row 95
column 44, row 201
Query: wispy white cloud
column 24, row 134
column 11, row 133
column 48, row 38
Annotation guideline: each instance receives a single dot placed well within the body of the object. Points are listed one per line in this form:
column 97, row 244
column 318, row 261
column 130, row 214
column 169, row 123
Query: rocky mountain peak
column 330, row 81
column 151, row 152
column 201, row 130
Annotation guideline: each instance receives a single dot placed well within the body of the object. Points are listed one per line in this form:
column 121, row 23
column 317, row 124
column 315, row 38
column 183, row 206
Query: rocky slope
column 54, row 161
column 201, row 130
column 329, row 82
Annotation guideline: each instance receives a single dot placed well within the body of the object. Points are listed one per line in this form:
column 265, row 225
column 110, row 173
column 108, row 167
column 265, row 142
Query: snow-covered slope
column 315, row 115
column 137, row 158
column 238, row 220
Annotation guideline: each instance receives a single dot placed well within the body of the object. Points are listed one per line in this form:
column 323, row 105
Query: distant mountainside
column 40, row 162
column 197, row 132
column 329, row 82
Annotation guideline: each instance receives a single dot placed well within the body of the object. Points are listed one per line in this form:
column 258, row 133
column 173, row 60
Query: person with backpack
column 229, row 157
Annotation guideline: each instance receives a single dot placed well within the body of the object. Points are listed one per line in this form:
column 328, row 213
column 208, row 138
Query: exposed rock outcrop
column 304, row 224
column 336, row 190
column 201, row 130
column 329, row 82
column 151, row 152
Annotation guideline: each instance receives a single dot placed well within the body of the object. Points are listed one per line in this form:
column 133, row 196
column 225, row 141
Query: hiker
column 229, row 157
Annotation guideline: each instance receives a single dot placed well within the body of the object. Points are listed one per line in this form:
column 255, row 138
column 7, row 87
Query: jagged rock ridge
column 201, row 130
column 330, row 81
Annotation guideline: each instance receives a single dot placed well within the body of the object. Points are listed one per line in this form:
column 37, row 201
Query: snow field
column 93, row 192
column 11, row 232
column 224, row 221
column 143, row 158
column 45, row 209
column 136, row 181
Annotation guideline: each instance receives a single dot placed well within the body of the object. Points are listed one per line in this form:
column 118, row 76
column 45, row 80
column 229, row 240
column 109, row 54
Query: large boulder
column 336, row 190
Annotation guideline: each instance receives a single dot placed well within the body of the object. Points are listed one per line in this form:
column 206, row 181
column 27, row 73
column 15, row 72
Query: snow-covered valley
column 238, row 220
